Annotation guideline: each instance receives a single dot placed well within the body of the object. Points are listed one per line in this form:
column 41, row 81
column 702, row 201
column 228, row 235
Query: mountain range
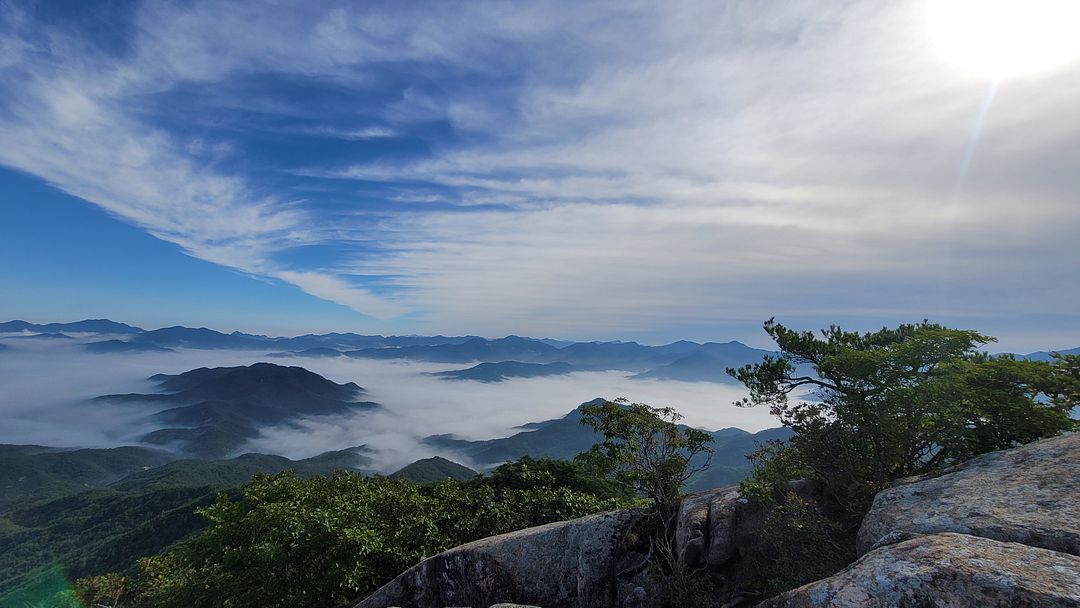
column 93, row 326
column 85, row 511
column 683, row 360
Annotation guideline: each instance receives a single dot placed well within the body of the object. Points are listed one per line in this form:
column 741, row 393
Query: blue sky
column 627, row 170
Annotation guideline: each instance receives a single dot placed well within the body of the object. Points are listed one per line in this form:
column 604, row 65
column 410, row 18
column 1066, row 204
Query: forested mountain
column 210, row 413
column 434, row 469
column 91, row 511
column 30, row 473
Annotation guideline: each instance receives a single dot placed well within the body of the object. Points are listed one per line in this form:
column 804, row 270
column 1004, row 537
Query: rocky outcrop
column 948, row 571
column 706, row 528
column 1029, row 495
column 575, row 564
column 585, row 563
column 1000, row 530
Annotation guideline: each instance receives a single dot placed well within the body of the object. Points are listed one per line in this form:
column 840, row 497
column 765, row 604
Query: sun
column 1000, row 38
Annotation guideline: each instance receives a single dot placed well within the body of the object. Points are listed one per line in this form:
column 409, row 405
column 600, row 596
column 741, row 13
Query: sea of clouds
column 48, row 385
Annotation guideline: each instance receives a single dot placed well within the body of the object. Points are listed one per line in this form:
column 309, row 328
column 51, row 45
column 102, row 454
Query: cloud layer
column 47, row 385
column 579, row 169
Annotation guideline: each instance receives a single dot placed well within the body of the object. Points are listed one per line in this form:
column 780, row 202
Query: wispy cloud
column 591, row 168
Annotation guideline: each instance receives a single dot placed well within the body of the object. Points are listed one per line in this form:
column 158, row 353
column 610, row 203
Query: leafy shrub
column 323, row 541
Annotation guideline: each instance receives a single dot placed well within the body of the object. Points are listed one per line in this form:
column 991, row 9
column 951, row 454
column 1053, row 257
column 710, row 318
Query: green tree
column 647, row 449
column 900, row 402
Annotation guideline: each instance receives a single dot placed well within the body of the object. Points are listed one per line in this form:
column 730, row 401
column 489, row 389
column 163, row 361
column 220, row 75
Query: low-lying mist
column 47, row 385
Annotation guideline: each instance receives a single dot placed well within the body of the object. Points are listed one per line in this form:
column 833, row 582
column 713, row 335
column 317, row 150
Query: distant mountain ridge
column 95, row 326
column 1045, row 355
column 683, row 360
column 502, row 370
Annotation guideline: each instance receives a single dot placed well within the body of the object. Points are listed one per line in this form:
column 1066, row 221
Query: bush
column 323, row 541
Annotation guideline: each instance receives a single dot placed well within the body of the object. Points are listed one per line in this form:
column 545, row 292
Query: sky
column 623, row 170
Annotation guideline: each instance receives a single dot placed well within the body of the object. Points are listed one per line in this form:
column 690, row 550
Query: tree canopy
column 323, row 541
column 868, row 408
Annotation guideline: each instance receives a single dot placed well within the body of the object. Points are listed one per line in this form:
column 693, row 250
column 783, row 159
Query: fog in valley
column 48, row 384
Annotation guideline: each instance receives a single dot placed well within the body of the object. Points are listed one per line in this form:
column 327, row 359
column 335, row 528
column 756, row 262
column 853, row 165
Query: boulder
column 1029, row 495
column 705, row 530
column 581, row 563
column 946, row 571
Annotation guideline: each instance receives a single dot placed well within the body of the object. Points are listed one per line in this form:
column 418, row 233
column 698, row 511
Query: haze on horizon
column 584, row 171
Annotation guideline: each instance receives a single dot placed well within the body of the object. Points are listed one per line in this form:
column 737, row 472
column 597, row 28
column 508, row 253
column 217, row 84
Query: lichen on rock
column 947, row 570
column 1029, row 495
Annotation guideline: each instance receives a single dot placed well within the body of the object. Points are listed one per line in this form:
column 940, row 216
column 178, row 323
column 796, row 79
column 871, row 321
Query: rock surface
column 1029, row 495
column 705, row 531
column 574, row 564
column 946, row 570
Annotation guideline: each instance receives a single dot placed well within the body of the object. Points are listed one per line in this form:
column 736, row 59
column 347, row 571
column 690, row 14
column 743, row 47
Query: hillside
column 707, row 363
column 33, row 473
column 84, row 531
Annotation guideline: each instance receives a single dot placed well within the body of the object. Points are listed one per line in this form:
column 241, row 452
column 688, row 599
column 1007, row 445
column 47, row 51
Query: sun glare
column 998, row 38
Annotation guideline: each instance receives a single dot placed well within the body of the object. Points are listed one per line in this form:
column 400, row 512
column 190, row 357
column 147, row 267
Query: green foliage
column 93, row 532
column 774, row 465
column 103, row 591
column 527, row 473
column 795, row 543
column 644, row 448
column 686, row 590
column 901, row 402
column 323, row 541
column 31, row 474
